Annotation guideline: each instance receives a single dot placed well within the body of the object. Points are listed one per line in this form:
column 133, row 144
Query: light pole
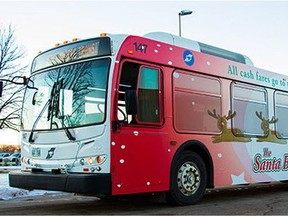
column 183, row 13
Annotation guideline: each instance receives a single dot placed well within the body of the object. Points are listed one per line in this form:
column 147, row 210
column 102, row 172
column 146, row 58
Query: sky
column 257, row 29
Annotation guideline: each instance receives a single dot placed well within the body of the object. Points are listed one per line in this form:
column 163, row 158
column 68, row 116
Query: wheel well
column 202, row 151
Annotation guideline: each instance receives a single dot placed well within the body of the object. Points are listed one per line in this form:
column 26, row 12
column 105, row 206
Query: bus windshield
column 68, row 96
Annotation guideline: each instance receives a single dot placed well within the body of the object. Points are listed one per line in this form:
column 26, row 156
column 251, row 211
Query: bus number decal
column 140, row 47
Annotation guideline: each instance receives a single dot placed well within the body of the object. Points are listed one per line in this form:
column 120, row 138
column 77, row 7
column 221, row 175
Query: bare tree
column 11, row 67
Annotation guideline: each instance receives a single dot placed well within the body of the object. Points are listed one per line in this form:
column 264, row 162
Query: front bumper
column 98, row 184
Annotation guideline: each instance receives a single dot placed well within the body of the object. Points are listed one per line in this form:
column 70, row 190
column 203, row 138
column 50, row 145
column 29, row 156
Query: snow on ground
column 8, row 193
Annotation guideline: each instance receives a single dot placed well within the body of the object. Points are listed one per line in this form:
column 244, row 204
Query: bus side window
column 148, row 95
column 128, row 81
column 144, row 81
column 250, row 103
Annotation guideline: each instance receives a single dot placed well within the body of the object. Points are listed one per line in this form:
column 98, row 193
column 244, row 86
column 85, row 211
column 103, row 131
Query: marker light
column 57, row 44
column 99, row 159
column 85, row 169
column 65, row 42
column 173, row 142
column 74, row 39
column 130, row 51
column 103, row 34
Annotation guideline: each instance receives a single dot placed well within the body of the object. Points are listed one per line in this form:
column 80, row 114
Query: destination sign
column 72, row 52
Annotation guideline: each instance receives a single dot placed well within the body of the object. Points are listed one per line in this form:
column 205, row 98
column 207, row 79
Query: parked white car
column 2, row 157
column 13, row 160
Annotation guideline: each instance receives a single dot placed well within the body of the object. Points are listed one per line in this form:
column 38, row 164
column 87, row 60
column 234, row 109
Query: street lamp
column 183, row 13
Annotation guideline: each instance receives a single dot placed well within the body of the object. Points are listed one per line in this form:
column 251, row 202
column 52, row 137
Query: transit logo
column 188, row 57
column 50, row 153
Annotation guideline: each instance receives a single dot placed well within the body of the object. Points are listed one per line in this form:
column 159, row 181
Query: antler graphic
column 230, row 115
column 265, row 122
column 214, row 115
column 259, row 115
column 273, row 120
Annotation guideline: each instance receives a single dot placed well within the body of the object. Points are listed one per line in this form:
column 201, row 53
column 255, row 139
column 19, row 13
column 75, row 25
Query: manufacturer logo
column 50, row 153
column 188, row 58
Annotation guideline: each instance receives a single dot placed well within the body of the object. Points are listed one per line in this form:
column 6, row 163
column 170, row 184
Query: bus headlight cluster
column 99, row 159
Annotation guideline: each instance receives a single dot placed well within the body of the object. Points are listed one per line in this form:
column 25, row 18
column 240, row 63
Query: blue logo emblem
column 188, row 57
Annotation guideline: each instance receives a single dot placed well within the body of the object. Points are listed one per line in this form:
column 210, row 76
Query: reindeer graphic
column 226, row 135
column 269, row 135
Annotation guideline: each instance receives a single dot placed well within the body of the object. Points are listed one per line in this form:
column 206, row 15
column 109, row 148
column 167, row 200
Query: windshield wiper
column 54, row 98
column 53, row 110
column 31, row 140
column 67, row 131
column 48, row 103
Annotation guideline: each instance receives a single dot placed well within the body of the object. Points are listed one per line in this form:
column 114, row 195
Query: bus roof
column 198, row 46
column 185, row 54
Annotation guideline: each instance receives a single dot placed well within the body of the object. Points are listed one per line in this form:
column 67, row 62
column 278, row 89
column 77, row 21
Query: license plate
column 36, row 152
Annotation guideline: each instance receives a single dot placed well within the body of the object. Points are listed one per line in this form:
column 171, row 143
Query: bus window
column 250, row 105
column 128, row 81
column 194, row 97
column 148, row 95
column 145, row 82
column 281, row 114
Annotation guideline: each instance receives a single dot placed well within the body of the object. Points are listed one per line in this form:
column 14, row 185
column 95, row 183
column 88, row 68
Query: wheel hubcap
column 188, row 178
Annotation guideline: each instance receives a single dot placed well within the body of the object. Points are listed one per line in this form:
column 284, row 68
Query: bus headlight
column 24, row 159
column 90, row 160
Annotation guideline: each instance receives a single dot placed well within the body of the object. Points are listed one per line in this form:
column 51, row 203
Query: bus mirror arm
column 18, row 80
column 29, row 83
column 131, row 102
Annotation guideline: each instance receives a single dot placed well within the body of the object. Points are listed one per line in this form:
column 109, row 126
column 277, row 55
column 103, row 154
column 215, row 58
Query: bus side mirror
column 131, row 102
column 1, row 88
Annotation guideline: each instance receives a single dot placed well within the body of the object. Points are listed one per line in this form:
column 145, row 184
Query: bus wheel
column 188, row 180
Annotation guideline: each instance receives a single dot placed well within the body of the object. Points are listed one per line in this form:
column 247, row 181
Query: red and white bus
column 122, row 114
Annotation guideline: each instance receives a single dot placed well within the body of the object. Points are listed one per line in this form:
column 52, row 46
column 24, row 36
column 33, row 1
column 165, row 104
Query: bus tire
column 188, row 179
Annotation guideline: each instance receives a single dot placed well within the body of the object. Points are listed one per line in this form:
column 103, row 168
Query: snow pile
column 7, row 192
